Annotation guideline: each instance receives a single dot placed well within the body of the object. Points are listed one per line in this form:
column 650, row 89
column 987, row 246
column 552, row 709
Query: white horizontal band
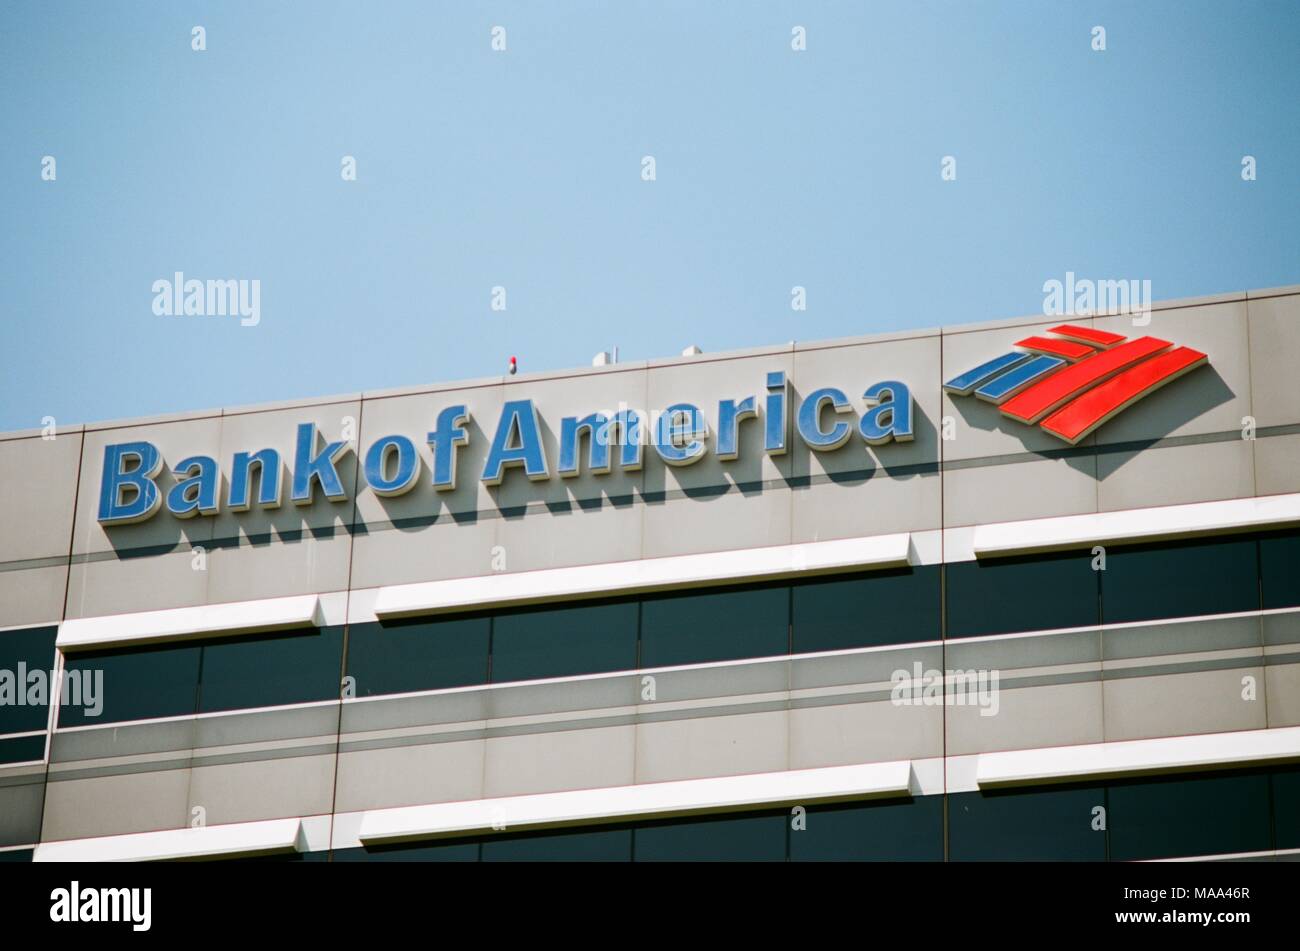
column 240, row 838
column 239, row 617
column 648, row 574
column 1136, row 757
column 1135, row 525
column 681, row 797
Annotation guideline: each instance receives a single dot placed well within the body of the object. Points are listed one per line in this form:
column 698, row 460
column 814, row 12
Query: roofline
column 791, row 348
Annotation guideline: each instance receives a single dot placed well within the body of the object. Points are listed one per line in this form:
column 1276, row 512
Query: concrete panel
column 1282, row 690
column 271, row 788
column 111, row 805
column 685, row 526
column 150, row 583
column 1274, row 356
column 700, row 746
column 398, row 541
column 278, row 569
column 1277, row 464
column 1207, row 400
column 1183, row 641
column 1210, row 701
column 1171, row 475
column 1037, row 489
column 40, row 485
column 553, row 761
column 32, row 596
column 1062, row 714
column 840, row 734
column 570, row 535
column 879, row 505
column 455, row 549
column 408, row 775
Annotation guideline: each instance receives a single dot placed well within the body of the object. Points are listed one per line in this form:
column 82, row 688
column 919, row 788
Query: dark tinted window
column 419, row 654
column 743, row 838
column 26, row 681
column 1039, row 825
column 1279, row 569
column 885, row 607
column 138, row 684
column 1005, row 595
column 417, row 852
column 910, row 831
column 1286, row 808
column 1179, row 580
column 1168, row 818
column 719, row 625
column 588, row 845
column 23, row 749
column 272, row 670
column 16, row 855
column 585, row 639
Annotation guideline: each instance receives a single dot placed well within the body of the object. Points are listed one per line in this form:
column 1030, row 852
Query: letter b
column 144, row 462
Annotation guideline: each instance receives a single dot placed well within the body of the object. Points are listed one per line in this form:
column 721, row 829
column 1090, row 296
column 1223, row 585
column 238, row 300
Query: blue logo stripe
column 1013, row 381
column 962, row 385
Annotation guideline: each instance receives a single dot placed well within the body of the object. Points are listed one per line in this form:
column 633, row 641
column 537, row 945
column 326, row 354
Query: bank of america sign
column 1073, row 381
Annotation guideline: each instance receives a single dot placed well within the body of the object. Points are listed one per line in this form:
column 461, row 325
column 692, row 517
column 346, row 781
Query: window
column 1175, row 817
column 461, row 851
column 1183, row 579
column 1054, row 824
column 1033, row 593
column 585, row 845
column 715, row 626
column 884, row 607
column 22, row 749
column 418, row 654
column 893, row 831
column 203, row 677
column 1286, row 808
column 1279, row 569
column 756, row 837
column 138, row 684
column 273, row 670
column 26, row 679
column 561, row 642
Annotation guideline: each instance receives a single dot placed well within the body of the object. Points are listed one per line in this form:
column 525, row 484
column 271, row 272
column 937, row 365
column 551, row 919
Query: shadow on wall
column 1155, row 417
column 655, row 482
column 259, row 526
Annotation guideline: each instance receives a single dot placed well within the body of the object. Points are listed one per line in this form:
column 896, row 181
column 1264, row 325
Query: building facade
column 1026, row 589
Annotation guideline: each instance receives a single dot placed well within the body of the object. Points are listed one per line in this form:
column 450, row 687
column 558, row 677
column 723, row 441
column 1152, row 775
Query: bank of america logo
column 1075, row 380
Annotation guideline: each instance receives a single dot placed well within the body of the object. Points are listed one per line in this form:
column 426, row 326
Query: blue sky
column 522, row 169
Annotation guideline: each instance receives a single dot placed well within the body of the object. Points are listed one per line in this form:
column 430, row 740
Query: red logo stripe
column 1057, row 348
column 1099, row 404
column 1036, row 402
column 1102, row 338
